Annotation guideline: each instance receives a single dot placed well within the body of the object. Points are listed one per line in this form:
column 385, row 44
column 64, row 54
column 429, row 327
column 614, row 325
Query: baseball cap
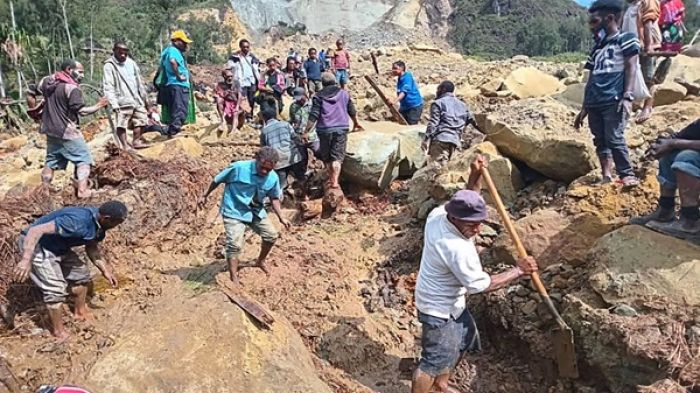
column 180, row 35
column 298, row 93
column 467, row 205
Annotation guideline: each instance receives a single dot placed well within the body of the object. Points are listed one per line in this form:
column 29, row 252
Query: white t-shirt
column 629, row 21
column 449, row 269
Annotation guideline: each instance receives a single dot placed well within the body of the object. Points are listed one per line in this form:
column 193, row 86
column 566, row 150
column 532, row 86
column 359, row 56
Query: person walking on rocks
column 249, row 77
column 679, row 169
column 49, row 260
column 608, row 94
column 247, row 185
column 177, row 83
column 641, row 19
column 63, row 106
column 314, row 67
column 341, row 64
column 299, row 113
column 272, row 86
column 127, row 95
column 449, row 118
column 281, row 136
column 331, row 111
column 450, row 269
column 408, row 97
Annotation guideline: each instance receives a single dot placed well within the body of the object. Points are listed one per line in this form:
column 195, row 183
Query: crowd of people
column 319, row 120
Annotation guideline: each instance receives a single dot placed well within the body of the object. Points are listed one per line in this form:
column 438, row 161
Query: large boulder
column 173, row 148
column 551, row 238
column 572, row 95
column 382, row 152
column 669, row 93
column 434, row 184
column 684, row 67
column 13, row 144
column 527, row 82
column 540, row 133
column 635, row 265
column 203, row 344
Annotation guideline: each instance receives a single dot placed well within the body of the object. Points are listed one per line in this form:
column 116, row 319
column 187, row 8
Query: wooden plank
column 250, row 306
column 397, row 116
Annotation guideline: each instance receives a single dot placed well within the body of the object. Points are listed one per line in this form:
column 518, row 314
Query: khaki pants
column 235, row 231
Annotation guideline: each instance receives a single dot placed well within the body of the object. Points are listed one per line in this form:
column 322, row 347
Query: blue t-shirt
column 75, row 226
column 172, row 52
column 606, row 83
column 407, row 85
column 314, row 68
column 245, row 191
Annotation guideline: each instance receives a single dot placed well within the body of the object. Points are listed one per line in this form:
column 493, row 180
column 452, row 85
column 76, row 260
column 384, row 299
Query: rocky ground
column 341, row 288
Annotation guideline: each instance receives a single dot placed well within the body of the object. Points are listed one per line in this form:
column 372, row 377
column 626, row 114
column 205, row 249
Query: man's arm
column 93, row 252
column 352, row 112
column 473, row 123
column 277, row 207
column 31, row 239
column 108, row 85
column 176, row 69
column 630, row 72
column 686, row 144
column 474, row 183
column 399, row 98
column 203, row 200
column 648, row 27
column 89, row 110
column 433, row 121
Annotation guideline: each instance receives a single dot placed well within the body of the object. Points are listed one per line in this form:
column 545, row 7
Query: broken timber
column 397, row 116
column 250, row 306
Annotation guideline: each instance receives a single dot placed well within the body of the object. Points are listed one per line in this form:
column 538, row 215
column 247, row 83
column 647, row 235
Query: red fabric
column 65, row 77
column 672, row 12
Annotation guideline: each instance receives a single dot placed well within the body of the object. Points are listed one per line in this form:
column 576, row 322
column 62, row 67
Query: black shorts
column 333, row 145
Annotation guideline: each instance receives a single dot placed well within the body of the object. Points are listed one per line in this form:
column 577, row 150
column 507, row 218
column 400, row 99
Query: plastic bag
column 640, row 91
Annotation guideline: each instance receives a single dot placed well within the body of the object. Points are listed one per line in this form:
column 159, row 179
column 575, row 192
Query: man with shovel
column 450, row 269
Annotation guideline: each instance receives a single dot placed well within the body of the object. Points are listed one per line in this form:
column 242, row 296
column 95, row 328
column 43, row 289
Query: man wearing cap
column 177, row 84
column 450, row 269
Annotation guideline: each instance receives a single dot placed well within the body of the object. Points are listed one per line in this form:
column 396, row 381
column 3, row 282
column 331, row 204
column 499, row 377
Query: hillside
column 505, row 27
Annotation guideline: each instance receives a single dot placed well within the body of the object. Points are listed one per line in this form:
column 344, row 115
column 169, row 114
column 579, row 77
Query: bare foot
column 61, row 336
column 263, row 267
column 82, row 315
column 234, row 278
column 141, row 145
column 643, row 116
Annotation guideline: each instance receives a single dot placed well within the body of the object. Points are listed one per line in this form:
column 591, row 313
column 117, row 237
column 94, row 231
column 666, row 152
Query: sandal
column 629, row 182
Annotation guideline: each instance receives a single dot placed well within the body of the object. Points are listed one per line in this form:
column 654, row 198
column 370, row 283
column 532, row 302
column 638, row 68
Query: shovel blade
column 565, row 353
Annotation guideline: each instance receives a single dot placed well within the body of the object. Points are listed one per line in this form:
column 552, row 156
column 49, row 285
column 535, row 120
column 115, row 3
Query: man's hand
column 202, row 202
column 182, row 78
column 478, row 164
column 527, row 265
column 578, row 122
column 625, row 105
column 287, row 225
column 21, row 271
column 109, row 276
column 358, row 127
column 663, row 147
column 425, row 145
column 305, row 138
column 102, row 102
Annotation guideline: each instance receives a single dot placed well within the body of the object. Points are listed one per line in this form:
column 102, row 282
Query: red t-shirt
column 341, row 60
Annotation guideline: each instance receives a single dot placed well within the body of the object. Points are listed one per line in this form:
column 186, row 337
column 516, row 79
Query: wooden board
column 397, row 116
column 250, row 306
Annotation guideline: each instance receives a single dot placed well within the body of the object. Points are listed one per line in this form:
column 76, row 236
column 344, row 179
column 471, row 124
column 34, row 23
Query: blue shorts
column 444, row 341
column 61, row 151
column 686, row 161
column 341, row 76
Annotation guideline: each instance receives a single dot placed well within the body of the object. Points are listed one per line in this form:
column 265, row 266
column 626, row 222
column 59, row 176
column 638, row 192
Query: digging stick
column 397, row 116
column 564, row 352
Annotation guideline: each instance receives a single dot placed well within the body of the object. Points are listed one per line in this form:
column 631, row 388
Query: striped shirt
column 606, row 63
column 280, row 136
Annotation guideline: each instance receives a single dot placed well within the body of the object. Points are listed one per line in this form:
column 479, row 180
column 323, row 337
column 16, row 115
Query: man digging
column 48, row 258
column 450, row 269
column 247, row 185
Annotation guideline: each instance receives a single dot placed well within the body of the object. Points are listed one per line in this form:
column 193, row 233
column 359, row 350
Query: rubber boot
column 606, row 165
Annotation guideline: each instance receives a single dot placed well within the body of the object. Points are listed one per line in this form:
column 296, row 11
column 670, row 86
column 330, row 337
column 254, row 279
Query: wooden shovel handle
column 511, row 228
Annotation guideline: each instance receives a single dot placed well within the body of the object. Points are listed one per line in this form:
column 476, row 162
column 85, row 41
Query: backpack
column 671, row 24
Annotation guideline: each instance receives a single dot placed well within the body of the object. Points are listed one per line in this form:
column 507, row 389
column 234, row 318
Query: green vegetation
column 494, row 29
column 145, row 24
